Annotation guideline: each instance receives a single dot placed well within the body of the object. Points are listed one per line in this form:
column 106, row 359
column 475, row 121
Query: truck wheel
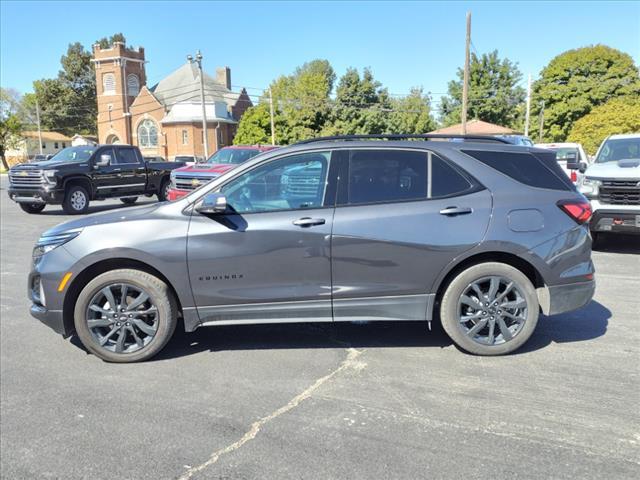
column 129, row 200
column 76, row 200
column 163, row 193
column 490, row 309
column 32, row 207
column 125, row 315
column 596, row 240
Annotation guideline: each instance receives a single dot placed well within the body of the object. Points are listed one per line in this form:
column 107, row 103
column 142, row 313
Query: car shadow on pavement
column 56, row 210
column 584, row 324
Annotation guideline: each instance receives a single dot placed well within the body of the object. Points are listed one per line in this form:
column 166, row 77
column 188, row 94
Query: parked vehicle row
column 480, row 235
column 188, row 178
column 78, row 175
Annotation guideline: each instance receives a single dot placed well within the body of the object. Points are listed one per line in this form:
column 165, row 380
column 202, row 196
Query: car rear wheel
column 125, row 316
column 129, row 200
column 32, row 207
column 76, row 200
column 490, row 309
column 163, row 193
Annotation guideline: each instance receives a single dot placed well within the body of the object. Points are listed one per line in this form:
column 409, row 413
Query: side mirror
column 572, row 161
column 103, row 161
column 212, row 204
column 582, row 167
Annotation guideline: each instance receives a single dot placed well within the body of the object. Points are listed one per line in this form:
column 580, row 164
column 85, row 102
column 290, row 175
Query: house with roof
column 477, row 127
column 164, row 119
column 27, row 146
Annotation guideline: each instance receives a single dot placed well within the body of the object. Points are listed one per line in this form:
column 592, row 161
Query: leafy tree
column 10, row 124
column 575, row 82
column 106, row 42
column 494, row 94
column 618, row 115
column 411, row 114
column 255, row 126
column 360, row 107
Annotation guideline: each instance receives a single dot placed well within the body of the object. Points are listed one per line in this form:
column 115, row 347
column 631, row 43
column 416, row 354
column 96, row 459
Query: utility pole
column 204, row 110
column 465, row 84
column 528, row 113
column 39, row 129
column 273, row 127
column 541, row 122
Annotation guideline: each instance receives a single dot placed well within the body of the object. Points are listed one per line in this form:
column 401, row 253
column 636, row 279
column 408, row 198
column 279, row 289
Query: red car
column 186, row 179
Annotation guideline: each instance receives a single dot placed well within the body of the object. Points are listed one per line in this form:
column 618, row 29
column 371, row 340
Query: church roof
column 183, row 85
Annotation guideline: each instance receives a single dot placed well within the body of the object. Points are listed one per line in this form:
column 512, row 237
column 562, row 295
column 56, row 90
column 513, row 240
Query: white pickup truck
column 612, row 184
column 569, row 156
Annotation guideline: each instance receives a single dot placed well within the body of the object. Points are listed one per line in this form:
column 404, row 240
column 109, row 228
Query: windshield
column 563, row 153
column 233, row 156
column 619, row 149
column 74, row 154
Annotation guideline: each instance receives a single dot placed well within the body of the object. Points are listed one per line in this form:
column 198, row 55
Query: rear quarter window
column 536, row 170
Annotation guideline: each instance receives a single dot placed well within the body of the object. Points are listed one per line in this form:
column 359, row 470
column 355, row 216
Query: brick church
column 165, row 119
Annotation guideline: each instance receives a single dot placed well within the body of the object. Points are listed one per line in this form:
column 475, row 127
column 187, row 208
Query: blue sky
column 405, row 43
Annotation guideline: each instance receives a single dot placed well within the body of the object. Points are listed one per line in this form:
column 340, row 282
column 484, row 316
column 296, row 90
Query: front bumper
column 36, row 195
column 615, row 221
column 51, row 318
column 564, row 298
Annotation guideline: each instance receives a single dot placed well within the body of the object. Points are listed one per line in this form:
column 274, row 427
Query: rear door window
column 386, row 175
column 536, row 170
column 125, row 156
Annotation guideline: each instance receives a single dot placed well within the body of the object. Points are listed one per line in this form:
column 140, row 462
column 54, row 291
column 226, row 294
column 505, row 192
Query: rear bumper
column 616, row 221
column 36, row 195
column 175, row 194
column 564, row 298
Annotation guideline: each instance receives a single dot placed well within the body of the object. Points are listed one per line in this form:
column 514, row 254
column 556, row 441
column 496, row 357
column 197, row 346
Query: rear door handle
column 453, row 211
column 308, row 222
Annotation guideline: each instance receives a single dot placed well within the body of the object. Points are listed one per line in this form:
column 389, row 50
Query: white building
column 27, row 146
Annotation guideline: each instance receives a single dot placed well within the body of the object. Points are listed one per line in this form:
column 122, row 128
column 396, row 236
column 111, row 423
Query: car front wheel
column 163, row 193
column 490, row 309
column 125, row 316
column 76, row 200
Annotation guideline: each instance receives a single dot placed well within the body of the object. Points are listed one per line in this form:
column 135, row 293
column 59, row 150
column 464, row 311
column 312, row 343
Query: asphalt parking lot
column 379, row 400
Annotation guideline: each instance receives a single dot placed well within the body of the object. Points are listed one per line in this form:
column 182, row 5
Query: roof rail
column 423, row 136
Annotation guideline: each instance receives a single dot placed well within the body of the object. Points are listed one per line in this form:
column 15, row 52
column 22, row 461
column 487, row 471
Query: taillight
column 574, row 176
column 579, row 210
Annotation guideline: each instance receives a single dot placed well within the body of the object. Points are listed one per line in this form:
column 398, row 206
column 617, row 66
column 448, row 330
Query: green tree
column 106, row 42
column 10, row 124
column 618, row 115
column 301, row 104
column 361, row 105
column 575, row 82
column 255, row 126
column 494, row 93
column 411, row 114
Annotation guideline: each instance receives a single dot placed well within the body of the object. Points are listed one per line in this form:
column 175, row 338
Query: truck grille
column 620, row 192
column 24, row 178
column 190, row 183
column 303, row 185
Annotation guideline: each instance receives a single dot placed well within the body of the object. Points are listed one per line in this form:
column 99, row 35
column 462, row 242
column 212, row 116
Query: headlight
column 173, row 175
column 46, row 243
column 589, row 186
column 50, row 176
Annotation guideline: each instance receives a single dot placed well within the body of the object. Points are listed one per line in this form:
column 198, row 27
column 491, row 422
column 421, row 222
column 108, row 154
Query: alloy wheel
column 78, row 200
column 122, row 318
column 492, row 310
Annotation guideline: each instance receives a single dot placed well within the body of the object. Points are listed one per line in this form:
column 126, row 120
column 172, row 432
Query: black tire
column 596, row 240
column 32, row 207
column 160, row 297
column 163, row 192
column 452, row 304
column 129, row 200
column 76, row 200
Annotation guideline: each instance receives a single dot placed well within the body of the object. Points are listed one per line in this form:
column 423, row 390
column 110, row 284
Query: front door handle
column 453, row 211
column 308, row 222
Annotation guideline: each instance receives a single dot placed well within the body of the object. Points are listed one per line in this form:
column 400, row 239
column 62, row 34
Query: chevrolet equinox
column 476, row 233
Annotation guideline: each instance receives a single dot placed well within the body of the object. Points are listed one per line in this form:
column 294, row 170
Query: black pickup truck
column 77, row 175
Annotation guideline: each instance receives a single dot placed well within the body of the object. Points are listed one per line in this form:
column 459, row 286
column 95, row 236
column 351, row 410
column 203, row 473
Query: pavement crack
column 350, row 362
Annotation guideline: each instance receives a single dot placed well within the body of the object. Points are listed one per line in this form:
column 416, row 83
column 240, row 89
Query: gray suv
column 478, row 234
